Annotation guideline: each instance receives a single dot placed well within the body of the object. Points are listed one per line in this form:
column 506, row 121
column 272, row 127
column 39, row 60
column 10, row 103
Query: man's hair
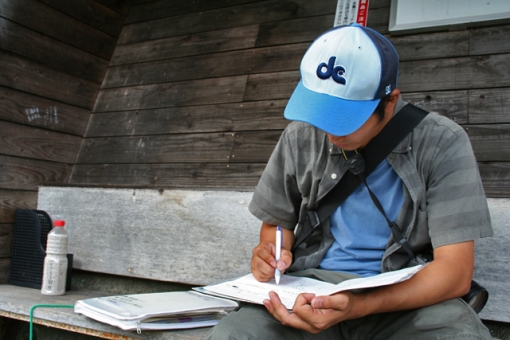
column 381, row 107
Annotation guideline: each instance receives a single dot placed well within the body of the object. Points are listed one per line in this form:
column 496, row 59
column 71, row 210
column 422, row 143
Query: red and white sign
column 351, row 11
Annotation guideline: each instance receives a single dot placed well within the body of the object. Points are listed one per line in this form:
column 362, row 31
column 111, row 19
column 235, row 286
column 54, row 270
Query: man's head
column 344, row 75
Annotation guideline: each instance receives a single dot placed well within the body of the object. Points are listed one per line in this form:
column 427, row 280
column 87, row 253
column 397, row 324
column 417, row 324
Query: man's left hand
column 311, row 313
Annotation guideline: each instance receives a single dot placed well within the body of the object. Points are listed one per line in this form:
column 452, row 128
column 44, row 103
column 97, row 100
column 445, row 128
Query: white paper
column 169, row 310
column 156, row 324
column 248, row 289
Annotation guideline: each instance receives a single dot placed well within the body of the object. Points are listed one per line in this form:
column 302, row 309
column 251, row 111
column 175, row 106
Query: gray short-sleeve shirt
column 444, row 200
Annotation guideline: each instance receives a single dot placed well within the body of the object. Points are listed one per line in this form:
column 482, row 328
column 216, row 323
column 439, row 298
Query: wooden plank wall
column 53, row 58
column 194, row 93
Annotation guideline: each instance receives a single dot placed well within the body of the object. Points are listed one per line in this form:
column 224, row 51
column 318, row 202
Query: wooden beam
column 455, row 73
column 6, row 240
column 489, row 40
column 12, row 199
column 495, row 178
column 197, row 92
column 46, row 20
column 491, row 143
column 145, row 11
column 223, row 147
column 5, row 265
column 489, row 106
column 271, row 86
column 28, row 174
column 91, row 13
column 51, row 52
column 432, row 46
column 186, row 45
column 232, row 63
column 171, row 175
column 222, row 18
column 32, row 77
column 29, row 142
column 121, row 7
column 452, row 104
column 31, row 110
column 294, row 31
column 262, row 115
column 378, row 18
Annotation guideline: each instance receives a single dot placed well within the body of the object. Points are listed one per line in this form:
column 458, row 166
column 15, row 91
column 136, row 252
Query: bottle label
column 57, row 244
column 54, row 275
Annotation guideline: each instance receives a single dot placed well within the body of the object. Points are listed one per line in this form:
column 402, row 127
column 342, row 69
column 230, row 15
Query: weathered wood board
column 12, row 199
column 186, row 93
column 27, row 76
column 259, row 115
column 23, row 41
column 187, row 148
column 32, row 110
column 173, row 175
column 194, row 237
column 30, row 142
column 222, row 18
column 48, row 21
column 223, row 64
column 186, row 45
column 28, row 174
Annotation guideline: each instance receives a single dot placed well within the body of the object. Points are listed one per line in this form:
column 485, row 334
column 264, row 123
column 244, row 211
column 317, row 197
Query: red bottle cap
column 59, row 223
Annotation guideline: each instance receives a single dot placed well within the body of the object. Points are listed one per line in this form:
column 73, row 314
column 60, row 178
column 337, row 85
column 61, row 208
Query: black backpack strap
column 373, row 154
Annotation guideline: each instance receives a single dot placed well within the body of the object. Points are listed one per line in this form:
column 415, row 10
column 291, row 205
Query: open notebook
column 248, row 289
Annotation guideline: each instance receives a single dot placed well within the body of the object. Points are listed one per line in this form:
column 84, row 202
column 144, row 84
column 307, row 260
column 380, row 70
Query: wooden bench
column 128, row 241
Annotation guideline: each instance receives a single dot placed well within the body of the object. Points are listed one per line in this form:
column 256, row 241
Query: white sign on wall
column 434, row 15
column 351, row 11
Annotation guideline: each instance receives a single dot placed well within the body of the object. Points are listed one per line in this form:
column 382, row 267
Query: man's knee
column 249, row 322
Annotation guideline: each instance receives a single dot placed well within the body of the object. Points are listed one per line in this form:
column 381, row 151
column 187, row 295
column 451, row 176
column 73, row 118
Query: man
column 429, row 185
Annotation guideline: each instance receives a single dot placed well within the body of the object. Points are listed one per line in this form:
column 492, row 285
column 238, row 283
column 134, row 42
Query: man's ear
column 394, row 95
column 391, row 101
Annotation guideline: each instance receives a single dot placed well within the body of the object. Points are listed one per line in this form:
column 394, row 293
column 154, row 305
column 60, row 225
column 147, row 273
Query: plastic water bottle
column 55, row 262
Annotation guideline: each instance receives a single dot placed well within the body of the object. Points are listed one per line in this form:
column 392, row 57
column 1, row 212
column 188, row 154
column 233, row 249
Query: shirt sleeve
column 456, row 202
column 277, row 198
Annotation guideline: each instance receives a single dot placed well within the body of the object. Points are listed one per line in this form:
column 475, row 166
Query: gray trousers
column 452, row 319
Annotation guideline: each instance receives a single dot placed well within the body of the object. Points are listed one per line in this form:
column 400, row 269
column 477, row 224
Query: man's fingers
column 338, row 302
column 263, row 262
column 281, row 313
column 285, row 260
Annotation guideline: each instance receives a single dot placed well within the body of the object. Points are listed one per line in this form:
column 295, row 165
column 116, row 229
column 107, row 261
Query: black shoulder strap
column 373, row 153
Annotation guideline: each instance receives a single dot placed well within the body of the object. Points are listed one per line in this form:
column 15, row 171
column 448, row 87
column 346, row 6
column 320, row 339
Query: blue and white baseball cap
column 344, row 75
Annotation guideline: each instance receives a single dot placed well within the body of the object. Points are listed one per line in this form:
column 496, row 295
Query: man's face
column 359, row 138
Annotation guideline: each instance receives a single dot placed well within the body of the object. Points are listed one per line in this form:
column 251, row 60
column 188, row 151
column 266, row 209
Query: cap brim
column 331, row 114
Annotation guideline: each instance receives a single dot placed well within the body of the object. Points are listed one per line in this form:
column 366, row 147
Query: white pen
column 279, row 234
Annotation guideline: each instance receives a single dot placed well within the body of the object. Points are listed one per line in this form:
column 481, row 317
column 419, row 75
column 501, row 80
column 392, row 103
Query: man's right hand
column 263, row 260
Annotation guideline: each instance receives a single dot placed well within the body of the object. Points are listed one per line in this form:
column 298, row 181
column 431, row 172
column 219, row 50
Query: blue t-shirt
column 360, row 230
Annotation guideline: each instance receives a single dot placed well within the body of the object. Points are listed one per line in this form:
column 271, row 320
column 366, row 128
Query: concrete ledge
column 492, row 258
column 187, row 236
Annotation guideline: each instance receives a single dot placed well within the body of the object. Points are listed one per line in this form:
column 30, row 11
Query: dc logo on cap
column 324, row 71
